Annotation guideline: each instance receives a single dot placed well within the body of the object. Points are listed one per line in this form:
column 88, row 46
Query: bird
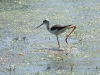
column 58, row 29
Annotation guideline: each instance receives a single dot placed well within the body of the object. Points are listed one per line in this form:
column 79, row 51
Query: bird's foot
column 66, row 41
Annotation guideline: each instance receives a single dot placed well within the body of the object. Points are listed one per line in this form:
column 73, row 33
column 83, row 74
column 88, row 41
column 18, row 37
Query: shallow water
column 25, row 51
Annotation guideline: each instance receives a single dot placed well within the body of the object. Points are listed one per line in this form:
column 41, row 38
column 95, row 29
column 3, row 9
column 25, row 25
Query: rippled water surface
column 25, row 51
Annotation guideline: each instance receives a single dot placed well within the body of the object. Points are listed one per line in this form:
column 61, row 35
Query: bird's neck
column 47, row 26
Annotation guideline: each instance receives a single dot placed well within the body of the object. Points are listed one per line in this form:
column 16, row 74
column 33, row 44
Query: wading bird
column 58, row 29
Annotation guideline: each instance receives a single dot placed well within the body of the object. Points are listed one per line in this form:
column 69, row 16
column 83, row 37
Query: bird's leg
column 74, row 27
column 58, row 42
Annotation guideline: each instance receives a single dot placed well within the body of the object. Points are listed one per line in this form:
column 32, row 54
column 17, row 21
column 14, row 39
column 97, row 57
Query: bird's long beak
column 74, row 27
column 39, row 25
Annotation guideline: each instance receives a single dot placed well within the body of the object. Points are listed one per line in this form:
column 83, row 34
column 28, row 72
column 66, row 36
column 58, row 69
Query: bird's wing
column 58, row 27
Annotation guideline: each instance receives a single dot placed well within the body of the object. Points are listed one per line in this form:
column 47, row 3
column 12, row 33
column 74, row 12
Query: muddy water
column 25, row 51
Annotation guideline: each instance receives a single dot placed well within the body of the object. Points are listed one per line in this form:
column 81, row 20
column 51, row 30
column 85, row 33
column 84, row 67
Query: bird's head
column 44, row 22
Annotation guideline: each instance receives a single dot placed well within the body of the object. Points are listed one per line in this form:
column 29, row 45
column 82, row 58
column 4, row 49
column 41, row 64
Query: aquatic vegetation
column 0, row 35
column 16, row 38
column 33, row 52
column 71, row 66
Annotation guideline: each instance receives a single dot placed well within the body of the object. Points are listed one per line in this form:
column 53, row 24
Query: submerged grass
column 71, row 66
column 0, row 35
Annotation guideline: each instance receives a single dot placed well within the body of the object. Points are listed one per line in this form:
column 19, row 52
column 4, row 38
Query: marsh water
column 25, row 50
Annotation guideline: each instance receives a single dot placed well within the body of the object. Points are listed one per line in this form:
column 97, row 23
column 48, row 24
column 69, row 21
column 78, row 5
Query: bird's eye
column 45, row 21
